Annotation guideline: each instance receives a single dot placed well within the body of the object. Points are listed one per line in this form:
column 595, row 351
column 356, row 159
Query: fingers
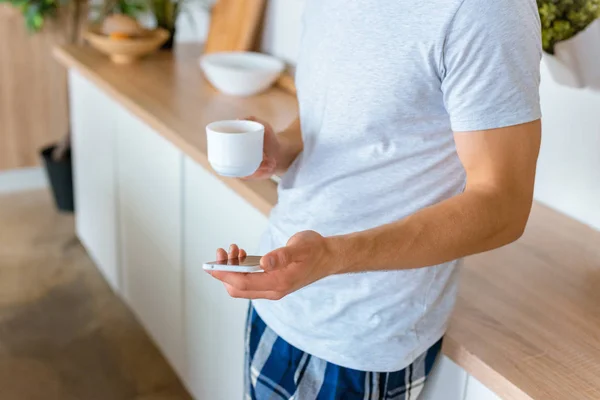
column 268, row 164
column 221, row 254
column 271, row 147
column 278, row 258
column 268, row 261
column 260, row 121
column 234, row 252
column 269, row 132
column 265, row 170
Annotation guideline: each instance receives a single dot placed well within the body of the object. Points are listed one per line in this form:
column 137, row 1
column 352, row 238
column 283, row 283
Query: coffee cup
column 235, row 147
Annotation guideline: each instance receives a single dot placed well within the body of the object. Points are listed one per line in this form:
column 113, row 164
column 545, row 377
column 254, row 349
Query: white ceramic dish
column 241, row 73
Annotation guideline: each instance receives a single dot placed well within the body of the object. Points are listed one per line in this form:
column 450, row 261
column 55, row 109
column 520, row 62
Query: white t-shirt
column 382, row 85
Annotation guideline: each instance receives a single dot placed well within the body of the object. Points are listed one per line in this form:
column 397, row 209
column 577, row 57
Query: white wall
column 569, row 166
column 281, row 35
column 568, row 177
column 192, row 24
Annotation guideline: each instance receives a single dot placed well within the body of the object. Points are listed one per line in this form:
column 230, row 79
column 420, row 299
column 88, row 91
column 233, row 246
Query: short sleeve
column 491, row 64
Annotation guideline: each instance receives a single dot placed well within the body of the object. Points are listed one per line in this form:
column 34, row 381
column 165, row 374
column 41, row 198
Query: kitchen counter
column 527, row 321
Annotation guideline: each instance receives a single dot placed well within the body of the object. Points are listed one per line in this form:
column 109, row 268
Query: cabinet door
column 477, row 391
column 93, row 144
column 149, row 185
column 446, row 382
column 214, row 216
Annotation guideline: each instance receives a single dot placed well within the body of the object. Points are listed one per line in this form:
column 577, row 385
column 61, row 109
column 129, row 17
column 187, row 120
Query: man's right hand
column 271, row 152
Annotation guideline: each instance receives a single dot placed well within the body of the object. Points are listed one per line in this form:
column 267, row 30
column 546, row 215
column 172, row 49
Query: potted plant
column 59, row 170
column 571, row 41
column 166, row 13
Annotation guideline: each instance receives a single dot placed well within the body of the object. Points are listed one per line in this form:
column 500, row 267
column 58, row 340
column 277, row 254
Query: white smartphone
column 247, row 264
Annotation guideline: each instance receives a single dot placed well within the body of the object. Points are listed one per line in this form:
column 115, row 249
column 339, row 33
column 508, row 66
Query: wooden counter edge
column 261, row 194
column 473, row 365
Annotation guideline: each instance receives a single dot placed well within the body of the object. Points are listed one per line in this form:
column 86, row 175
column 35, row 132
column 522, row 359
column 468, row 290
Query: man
column 416, row 145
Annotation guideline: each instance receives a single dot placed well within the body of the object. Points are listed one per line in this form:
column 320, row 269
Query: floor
column 63, row 333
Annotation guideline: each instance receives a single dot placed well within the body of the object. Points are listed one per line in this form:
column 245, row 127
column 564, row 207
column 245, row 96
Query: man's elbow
column 509, row 210
column 516, row 223
column 516, row 231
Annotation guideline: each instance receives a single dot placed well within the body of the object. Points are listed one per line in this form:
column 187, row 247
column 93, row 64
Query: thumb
column 268, row 129
column 277, row 259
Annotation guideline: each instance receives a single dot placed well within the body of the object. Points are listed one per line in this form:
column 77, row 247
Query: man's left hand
column 306, row 258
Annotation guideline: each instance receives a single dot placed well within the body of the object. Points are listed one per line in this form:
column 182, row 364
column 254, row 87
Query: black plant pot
column 168, row 45
column 60, row 175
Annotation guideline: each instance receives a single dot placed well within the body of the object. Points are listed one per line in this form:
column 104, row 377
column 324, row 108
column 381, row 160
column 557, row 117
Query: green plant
column 131, row 8
column 563, row 19
column 166, row 12
column 35, row 11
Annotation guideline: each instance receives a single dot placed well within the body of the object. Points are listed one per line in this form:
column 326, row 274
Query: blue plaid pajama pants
column 276, row 370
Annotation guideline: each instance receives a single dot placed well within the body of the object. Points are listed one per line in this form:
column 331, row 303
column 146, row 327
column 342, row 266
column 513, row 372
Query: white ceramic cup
column 235, row 147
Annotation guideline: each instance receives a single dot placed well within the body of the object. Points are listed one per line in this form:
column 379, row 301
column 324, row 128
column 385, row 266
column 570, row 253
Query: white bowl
column 241, row 73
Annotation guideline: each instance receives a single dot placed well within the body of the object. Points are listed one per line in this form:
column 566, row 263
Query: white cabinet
column 477, row 391
column 150, row 218
column 446, row 382
column 215, row 216
column 93, row 143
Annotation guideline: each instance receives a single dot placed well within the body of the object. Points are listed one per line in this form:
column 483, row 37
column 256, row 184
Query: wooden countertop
column 527, row 321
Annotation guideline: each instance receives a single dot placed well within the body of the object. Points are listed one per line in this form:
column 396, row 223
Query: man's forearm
column 291, row 145
column 472, row 222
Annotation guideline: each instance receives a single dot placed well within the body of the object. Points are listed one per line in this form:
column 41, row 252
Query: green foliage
column 131, row 8
column 563, row 19
column 35, row 11
column 165, row 12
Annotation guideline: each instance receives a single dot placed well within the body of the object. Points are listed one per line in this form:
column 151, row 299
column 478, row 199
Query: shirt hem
column 278, row 327
column 495, row 122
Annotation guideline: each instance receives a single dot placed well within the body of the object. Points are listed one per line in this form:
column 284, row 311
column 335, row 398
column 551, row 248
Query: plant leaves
column 563, row 19
column 38, row 22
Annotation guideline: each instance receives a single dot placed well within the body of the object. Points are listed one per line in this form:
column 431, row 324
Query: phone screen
column 249, row 261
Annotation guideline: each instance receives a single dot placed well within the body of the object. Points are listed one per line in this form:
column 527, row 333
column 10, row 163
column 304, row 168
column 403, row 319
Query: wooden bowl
column 125, row 51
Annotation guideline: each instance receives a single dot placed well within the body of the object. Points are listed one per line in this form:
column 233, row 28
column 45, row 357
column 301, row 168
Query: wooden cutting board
column 234, row 25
